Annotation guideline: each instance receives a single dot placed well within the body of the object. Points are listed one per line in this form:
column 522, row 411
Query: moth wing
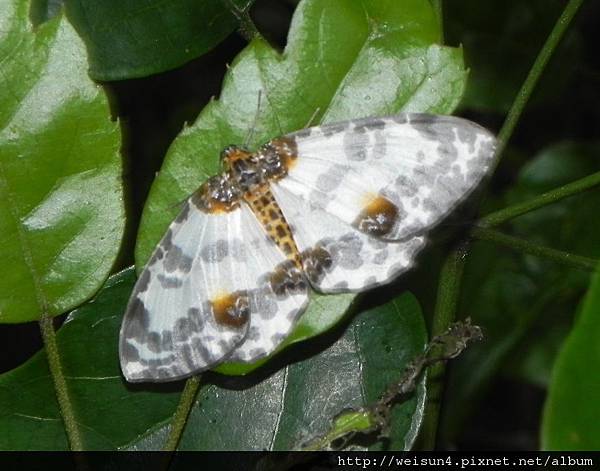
column 392, row 177
column 338, row 257
column 205, row 285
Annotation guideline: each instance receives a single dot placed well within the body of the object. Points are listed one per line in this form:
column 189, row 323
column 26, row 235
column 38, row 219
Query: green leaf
column 285, row 409
column 524, row 303
column 128, row 38
column 109, row 412
column 113, row 414
column 61, row 208
column 571, row 418
column 388, row 61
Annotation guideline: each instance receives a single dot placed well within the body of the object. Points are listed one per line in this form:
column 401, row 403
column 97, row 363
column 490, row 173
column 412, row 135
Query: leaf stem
column 535, row 73
column 247, row 27
column 444, row 315
column 557, row 194
column 60, row 384
column 186, row 401
column 522, row 245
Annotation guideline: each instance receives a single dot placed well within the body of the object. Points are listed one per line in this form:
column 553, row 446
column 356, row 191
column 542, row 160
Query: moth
column 336, row 208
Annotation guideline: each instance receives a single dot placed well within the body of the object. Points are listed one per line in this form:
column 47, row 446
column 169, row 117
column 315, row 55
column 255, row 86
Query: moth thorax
column 218, row 194
column 271, row 162
column 247, row 174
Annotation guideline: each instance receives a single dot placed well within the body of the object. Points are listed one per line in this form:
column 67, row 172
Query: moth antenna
column 275, row 116
column 254, row 122
column 313, row 116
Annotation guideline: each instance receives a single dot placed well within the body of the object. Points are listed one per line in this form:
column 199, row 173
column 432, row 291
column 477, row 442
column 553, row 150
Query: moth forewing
column 342, row 207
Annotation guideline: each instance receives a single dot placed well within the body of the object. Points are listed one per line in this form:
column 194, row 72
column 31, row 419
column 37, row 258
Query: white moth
column 337, row 208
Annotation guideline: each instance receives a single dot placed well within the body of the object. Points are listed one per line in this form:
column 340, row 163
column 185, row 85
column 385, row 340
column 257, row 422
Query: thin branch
column 451, row 276
column 535, row 73
column 444, row 315
column 186, row 401
column 570, row 189
column 522, row 245
column 60, row 384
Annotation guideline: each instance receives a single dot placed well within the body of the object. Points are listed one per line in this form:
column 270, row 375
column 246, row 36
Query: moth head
column 243, row 167
column 232, row 154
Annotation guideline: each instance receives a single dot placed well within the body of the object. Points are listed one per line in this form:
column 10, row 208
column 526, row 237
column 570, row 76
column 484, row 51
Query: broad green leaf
column 389, row 60
column 61, row 208
column 571, row 419
column 524, row 303
column 284, row 409
column 301, row 397
column 109, row 412
column 128, row 38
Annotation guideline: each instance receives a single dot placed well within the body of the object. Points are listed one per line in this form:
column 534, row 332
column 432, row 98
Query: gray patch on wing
column 176, row 260
column 355, row 145
column 341, row 285
column 169, row 282
column 263, row 304
column 381, row 257
column 332, row 178
column 167, row 241
column 346, row 251
column 143, row 281
column 277, row 338
column 183, row 215
column 369, row 124
column 157, row 255
column 294, row 314
column 480, row 162
column 406, row 186
column 153, row 342
column 257, row 353
column 166, row 343
column 214, row 253
column 370, row 280
column 318, row 199
column 329, row 130
column 467, row 134
column 400, row 118
column 191, row 324
column 237, row 250
column 130, row 352
column 376, row 243
column 303, row 133
column 138, row 320
column 447, row 194
column 379, row 149
column 253, row 334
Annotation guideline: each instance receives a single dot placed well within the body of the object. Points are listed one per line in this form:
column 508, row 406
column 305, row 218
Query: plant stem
column 516, row 243
column 60, row 384
column 444, row 314
column 570, row 189
column 438, row 8
column 186, row 401
column 535, row 73
column 451, row 276
column 247, row 27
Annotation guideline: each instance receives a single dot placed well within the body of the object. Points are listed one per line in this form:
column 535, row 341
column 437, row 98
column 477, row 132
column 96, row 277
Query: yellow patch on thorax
column 268, row 212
